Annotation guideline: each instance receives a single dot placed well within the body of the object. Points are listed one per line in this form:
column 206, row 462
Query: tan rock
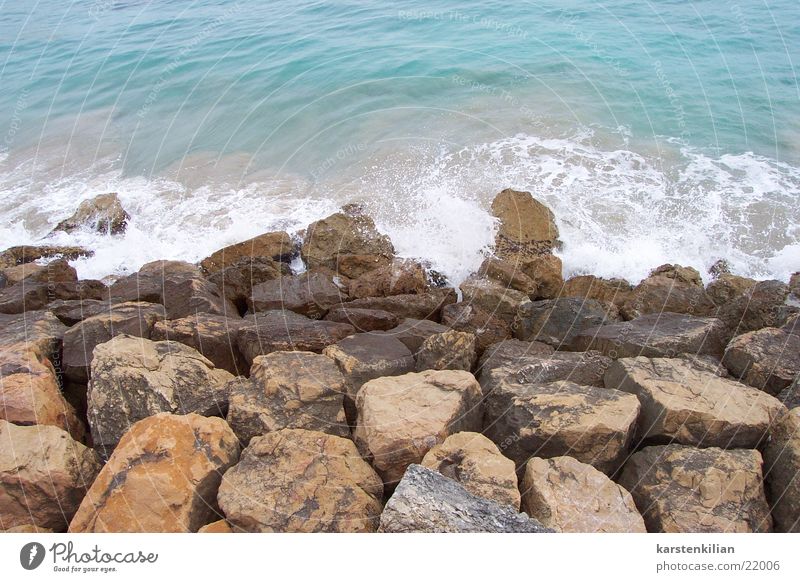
column 547, row 271
column 613, row 291
column 767, row 359
column 28, row 254
column 363, row 320
column 493, row 297
column 486, row 328
column 524, row 223
column 476, row 462
column 162, row 477
column 297, row 480
column 401, row 418
column 509, row 274
column 413, row 332
column 669, row 292
column 558, row 321
column 762, row 305
column 782, row 471
column 38, row 331
column 687, row 490
column 103, row 213
column 277, row 246
column 214, row 336
column 44, row 475
column 510, row 353
column 570, row 496
column 727, row 287
column 400, row 277
column 415, row 306
column 451, row 350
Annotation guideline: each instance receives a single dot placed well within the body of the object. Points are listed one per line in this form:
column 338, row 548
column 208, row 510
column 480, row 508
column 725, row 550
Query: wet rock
column 28, row 254
column 301, row 481
column 557, row 321
column 422, row 306
column 363, row 320
column 486, row 328
column 58, row 271
column 727, row 287
column 32, row 296
column 547, row 272
column 767, row 359
column 275, row 246
column 492, row 297
column 782, row 471
column 310, row 294
column 584, row 368
column 74, row 311
column 613, row 291
column 413, row 332
column 763, row 305
column 103, row 214
column 400, row 277
column 162, row 477
column 510, row 352
column 236, row 281
column 688, row 490
column 38, row 331
column 790, row 397
column 527, row 227
column 451, row 350
column 670, row 288
column 508, row 274
column 214, row 336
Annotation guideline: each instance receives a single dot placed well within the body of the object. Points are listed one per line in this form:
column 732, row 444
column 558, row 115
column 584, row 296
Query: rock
column 594, row 425
column 288, row 390
column 275, row 246
column 613, row 291
column 681, row 274
column 782, row 471
column 423, row 306
column 476, row 463
column 768, row 359
column 132, row 318
column 365, row 356
column 656, row 335
column 44, row 475
column 355, row 266
column 178, row 286
column 584, row 368
column 413, row 332
column 341, row 234
column 134, row 378
column 297, row 480
column 790, row 397
column 285, row 331
column 214, row 336
column 508, row 274
column 688, row 405
column 492, row 297
column 219, row 526
column 58, row 271
column 451, row 350
column 236, row 281
column 24, row 297
column 670, row 288
column 310, row 294
column 727, row 287
column 30, row 394
column 38, row 331
column 573, row 497
column 103, row 214
column 400, row 277
column 527, row 227
column 510, row 353
column 162, row 477
column 486, row 328
column 363, row 320
column 426, row 501
column 557, row 321
column 73, row 311
column 28, row 254
column 401, row 418
column 763, row 305
column 792, row 325
column 547, row 271
column 687, row 490
column 13, row 275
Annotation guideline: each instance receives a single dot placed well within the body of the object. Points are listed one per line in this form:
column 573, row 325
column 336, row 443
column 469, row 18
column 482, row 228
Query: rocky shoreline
column 366, row 394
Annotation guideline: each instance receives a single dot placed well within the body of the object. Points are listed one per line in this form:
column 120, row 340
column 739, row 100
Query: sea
column 656, row 130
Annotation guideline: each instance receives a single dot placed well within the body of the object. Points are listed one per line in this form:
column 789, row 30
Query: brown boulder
column 236, row 281
column 670, row 288
column 162, row 477
column 214, row 336
column 310, row 294
column 276, row 246
column 584, row 368
column 782, row 471
column 763, row 305
column 486, row 328
column 508, row 274
column 103, row 213
column 727, row 287
column 510, row 353
column 613, row 291
column 28, row 254
column 768, row 359
column 363, row 320
column 58, row 271
column 38, row 331
column 219, row 526
column 547, row 272
column 421, row 306
column 413, row 332
column 297, row 480
column 526, row 225
column 558, row 321
column 31, row 296
column 492, row 297
column 74, row 311
column 400, row 277
column 451, row 350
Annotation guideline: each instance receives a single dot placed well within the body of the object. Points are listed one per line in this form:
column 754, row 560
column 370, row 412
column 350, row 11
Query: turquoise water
column 658, row 131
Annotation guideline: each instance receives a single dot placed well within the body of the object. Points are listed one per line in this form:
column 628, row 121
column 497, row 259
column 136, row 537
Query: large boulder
column 275, row 246
column 162, row 477
column 547, row 271
column 180, row 287
column 103, row 213
column 768, row 359
column 44, row 475
column 686, row 404
column 585, row 368
column 38, row 331
column 413, row 332
column 477, row 464
column 782, row 471
column 58, row 271
column 288, row 390
column 594, row 425
column 658, row 335
column 612, row 291
column 486, row 328
column 134, row 378
column 426, row 501
column 492, row 297
column 669, row 288
column 420, row 306
column 558, row 321
column 573, row 497
column 236, row 281
column 527, row 227
column 363, row 320
column 348, row 233
column 726, row 287
column 401, row 418
column 214, row 336
column 681, row 489
column 509, row 274
column 31, row 296
column 130, row 318
column 30, row 394
column 297, row 480
column 285, row 331
column 509, row 353
column 311, row 294
column 400, row 277
column 451, row 350
column 763, row 305
column 73, row 311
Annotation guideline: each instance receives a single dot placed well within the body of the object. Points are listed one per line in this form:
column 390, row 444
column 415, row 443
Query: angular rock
column 768, row 359
column 288, row 390
column 422, row 306
column 44, row 475
column 134, row 378
column 310, row 294
column 510, row 353
column 526, row 225
column 236, row 281
column 669, row 291
column 594, row 425
column 727, row 287
column 584, row 368
column 103, row 214
column 413, row 332
column 486, row 328
column 573, row 497
column 508, row 274
column 400, row 277
column 656, row 336
column 39, row 331
column 687, row 490
column 428, row 502
column 791, row 395
column 476, row 463
column 28, row 254
column 363, row 320
column 162, row 477
column 763, row 305
column 451, row 350
column 685, row 404
column 74, row 311
column 557, row 321
column 401, row 418
column 547, row 271
column 492, row 297
column 613, row 291
column 276, row 246
column 131, row 318
column 31, row 296
column 285, row 331
column 297, row 480
column 214, row 336
column 58, row 271
column 782, row 471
